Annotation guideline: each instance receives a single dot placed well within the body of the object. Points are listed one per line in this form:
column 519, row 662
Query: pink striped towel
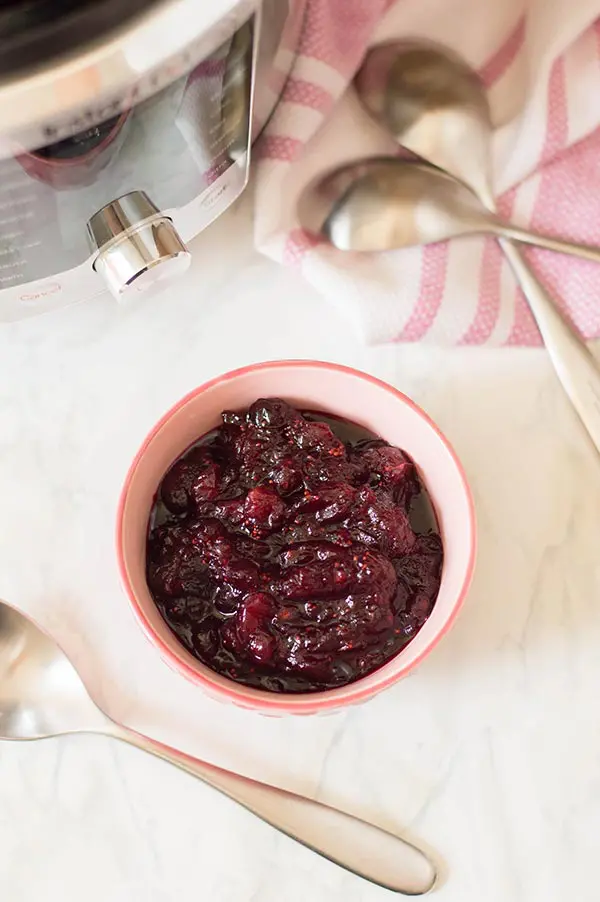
column 540, row 60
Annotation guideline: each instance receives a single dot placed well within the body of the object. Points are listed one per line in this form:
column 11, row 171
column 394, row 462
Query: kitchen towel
column 540, row 61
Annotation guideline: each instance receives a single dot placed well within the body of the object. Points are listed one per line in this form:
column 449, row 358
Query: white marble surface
column 489, row 753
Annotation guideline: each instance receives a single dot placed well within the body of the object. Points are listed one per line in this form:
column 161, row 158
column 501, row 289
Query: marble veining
column 489, row 753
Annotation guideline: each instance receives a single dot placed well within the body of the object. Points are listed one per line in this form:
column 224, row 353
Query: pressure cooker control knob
column 138, row 246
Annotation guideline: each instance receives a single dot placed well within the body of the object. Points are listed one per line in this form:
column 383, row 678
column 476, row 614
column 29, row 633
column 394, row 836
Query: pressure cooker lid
column 66, row 65
column 34, row 31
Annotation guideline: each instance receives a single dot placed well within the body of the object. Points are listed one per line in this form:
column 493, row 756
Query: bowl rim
column 308, row 702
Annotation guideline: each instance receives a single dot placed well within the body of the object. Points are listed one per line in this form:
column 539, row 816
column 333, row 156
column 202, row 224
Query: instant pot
column 126, row 128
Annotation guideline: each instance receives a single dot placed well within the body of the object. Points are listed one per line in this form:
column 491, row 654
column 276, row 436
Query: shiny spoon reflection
column 436, row 106
column 382, row 204
column 42, row 696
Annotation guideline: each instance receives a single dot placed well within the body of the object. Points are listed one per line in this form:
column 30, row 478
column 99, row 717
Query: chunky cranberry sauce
column 293, row 551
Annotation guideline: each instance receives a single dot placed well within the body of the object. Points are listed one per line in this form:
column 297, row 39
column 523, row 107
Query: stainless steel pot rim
column 72, row 93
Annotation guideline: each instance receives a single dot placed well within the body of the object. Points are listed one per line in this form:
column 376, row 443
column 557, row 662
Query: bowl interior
column 348, row 394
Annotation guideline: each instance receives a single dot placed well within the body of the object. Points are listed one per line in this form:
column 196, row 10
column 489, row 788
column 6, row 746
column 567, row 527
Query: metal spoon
column 436, row 106
column 42, row 695
column 384, row 203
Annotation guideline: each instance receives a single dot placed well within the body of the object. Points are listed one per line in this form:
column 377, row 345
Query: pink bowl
column 317, row 386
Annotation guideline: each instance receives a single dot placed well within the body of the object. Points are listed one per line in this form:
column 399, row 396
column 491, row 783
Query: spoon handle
column 585, row 251
column 354, row 844
column 576, row 368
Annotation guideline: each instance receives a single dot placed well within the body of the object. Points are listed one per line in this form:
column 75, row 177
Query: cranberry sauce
column 293, row 552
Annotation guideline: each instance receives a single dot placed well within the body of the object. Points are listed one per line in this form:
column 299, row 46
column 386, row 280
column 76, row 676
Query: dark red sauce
column 293, row 552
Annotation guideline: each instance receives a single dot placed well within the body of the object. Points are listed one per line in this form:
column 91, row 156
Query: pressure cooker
column 126, row 128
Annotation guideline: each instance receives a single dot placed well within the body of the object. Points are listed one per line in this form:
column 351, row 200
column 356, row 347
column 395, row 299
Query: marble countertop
column 489, row 753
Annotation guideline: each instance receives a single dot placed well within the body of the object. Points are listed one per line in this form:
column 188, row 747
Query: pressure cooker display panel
column 173, row 146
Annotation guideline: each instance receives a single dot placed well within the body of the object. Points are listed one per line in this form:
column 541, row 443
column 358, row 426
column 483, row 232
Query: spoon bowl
column 382, row 204
column 42, row 695
column 433, row 104
column 436, row 106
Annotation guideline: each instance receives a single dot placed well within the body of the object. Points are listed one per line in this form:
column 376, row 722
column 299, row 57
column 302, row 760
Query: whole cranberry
column 391, row 469
column 252, row 626
column 286, row 476
column 270, row 413
column 328, row 504
column 190, row 480
column 264, row 510
column 318, row 438
column 380, row 522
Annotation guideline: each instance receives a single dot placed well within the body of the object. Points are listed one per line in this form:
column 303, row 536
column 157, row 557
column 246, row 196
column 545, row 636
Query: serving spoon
column 383, row 203
column 43, row 696
column 436, row 106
